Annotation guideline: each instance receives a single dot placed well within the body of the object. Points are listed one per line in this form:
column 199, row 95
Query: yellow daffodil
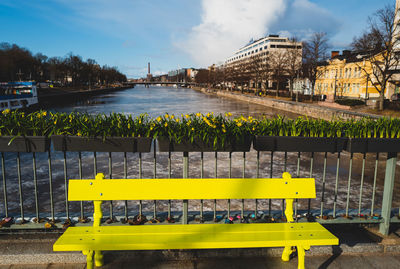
column 192, row 129
column 166, row 116
column 6, row 111
column 44, row 113
column 159, row 119
column 187, row 116
column 198, row 114
column 239, row 124
column 166, row 124
column 55, row 122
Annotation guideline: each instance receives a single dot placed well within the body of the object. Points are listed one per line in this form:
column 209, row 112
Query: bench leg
column 300, row 255
column 98, row 258
column 89, row 258
column 286, row 254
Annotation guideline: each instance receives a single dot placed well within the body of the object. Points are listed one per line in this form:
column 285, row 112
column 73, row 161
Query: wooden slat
column 179, row 189
column 193, row 236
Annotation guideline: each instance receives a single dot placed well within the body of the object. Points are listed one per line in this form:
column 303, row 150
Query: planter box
column 299, row 144
column 383, row 144
column 24, row 144
column 363, row 145
column 96, row 144
column 355, row 145
column 166, row 145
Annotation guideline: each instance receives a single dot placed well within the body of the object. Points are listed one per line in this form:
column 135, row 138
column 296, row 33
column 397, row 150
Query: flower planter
column 24, row 144
column 383, row 144
column 299, row 144
column 363, row 145
column 357, row 145
column 96, row 144
column 166, row 145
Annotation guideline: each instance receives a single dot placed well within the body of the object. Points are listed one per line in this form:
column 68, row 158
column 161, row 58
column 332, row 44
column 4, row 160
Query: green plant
column 18, row 123
column 217, row 130
column 100, row 125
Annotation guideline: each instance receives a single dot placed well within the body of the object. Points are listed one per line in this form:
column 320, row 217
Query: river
column 156, row 101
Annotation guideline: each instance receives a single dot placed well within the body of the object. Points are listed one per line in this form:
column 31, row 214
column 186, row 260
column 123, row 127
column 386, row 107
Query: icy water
column 157, row 101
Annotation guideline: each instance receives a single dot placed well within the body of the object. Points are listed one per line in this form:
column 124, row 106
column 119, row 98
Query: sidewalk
column 359, row 248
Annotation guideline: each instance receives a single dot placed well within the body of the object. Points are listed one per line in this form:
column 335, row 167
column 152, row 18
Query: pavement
column 360, row 247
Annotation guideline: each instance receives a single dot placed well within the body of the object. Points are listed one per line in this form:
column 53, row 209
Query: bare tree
column 294, row 59
column 380, row 46
column 278, row 61
column 255, row 69
column 315, row 51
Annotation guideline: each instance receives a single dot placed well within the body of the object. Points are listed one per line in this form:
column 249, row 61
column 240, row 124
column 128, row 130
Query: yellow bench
column 93, row 240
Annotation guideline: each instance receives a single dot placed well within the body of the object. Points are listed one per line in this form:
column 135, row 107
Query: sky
column 173, row 34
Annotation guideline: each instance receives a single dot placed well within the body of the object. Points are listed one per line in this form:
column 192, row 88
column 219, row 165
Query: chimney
column 334, row 54
column 346, row 53
column 148, row 68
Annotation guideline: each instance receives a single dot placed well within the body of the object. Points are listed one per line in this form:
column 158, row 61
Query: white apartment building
column 271, row 43
column 274, row 51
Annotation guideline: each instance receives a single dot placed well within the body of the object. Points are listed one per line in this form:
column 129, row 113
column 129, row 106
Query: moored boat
column 16, row 95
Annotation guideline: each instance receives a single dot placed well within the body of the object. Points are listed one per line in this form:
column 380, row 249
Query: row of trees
column 18, row 63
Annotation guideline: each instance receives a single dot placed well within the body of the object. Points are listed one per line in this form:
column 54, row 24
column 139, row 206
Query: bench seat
column 196, row 236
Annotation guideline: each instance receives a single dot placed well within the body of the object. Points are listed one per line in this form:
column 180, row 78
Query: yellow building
column 348, row 75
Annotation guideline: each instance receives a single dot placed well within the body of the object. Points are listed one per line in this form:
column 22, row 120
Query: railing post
column 388, row 192
column 185, row 175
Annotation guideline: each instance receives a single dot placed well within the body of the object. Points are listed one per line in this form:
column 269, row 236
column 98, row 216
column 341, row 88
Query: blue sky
column 175, row 33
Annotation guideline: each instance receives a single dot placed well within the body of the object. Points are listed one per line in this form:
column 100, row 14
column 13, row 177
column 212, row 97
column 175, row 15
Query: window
column 265, row 47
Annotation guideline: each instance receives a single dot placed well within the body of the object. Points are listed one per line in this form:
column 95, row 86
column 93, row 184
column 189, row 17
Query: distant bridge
column 147, row 83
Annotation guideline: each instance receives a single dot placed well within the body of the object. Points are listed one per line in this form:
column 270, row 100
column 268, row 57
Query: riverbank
column 51, row 96
column 306, row 109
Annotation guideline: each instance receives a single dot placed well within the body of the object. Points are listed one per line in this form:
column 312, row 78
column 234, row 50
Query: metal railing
column 351, row 187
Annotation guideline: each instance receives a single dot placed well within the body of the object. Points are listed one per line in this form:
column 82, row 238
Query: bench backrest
column 101, row 189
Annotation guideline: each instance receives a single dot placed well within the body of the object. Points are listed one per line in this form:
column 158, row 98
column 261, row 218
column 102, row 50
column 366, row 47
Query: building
column 351, row 74
column 182, row 75
column 346, row 75
column 263, row 46
column 255, row 64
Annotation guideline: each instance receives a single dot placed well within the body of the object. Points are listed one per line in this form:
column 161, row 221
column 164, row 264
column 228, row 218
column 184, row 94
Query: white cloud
column 303, row 17
column 227, row 25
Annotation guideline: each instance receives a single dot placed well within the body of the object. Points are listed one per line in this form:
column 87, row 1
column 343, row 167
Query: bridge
column 148, row 83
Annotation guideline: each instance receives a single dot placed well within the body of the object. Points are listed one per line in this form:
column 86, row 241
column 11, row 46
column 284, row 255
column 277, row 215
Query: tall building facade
column 255, row 63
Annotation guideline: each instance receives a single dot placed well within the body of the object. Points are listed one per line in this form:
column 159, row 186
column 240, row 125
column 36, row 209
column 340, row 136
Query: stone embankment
column 306, row 109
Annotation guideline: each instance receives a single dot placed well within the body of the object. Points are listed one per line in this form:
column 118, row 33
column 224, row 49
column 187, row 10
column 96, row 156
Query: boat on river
column 17, row 95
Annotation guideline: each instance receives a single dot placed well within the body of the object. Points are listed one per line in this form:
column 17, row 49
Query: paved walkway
column 359, row 248
column 331, row 262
